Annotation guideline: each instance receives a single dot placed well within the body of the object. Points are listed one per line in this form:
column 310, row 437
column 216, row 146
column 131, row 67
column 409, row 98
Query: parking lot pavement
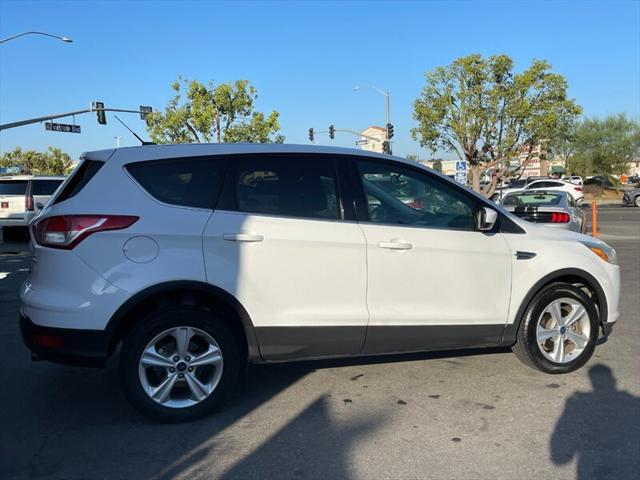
column 451, row 415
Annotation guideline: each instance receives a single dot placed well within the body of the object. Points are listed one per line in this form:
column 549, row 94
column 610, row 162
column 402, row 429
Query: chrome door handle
column 395, row 245
column 243, row 237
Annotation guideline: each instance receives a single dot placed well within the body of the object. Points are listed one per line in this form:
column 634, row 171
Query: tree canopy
column 30, row 162
column 603, row 146
column 200, row 113
column 488, row 114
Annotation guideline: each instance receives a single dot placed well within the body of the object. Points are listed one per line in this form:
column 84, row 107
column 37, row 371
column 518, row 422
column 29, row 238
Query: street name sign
column 62, row 127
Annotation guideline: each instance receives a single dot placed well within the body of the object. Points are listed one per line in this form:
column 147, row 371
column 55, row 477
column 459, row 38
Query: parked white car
column 546, row 184
column 21, row 196
column 201, row 258
column 575, row 179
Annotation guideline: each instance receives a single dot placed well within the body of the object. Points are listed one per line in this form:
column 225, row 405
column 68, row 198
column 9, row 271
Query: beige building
column 535, row 167
column 448, row 166
column 372, row 138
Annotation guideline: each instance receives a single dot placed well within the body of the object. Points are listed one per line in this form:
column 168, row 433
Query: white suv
column 21, row 196
column 547, row 184
column 201, row 258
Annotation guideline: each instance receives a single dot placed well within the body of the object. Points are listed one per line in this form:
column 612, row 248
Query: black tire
column 157, row 322
column 636, row 201
column 526, row 348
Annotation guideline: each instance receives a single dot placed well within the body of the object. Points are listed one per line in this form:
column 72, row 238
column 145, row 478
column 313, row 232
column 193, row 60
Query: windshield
column 537, row 199
column 13, row 187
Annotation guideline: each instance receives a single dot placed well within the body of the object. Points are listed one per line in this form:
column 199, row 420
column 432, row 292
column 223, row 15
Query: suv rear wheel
column 177, row 364
column 559, row 330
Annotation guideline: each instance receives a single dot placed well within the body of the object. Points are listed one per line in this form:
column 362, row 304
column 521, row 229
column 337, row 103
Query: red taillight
column 559, row 217
column 67, row 231
column 28, row 203
column 577, row 189
column 48, row 341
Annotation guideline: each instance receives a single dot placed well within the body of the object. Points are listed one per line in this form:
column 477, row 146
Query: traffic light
column 145, row 111
column 386, row 147
column 102, row 116
column 332, row 132
column 311, row 134
column 389, row 131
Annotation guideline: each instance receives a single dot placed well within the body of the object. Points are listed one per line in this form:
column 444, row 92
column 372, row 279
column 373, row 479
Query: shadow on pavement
column 600, row 428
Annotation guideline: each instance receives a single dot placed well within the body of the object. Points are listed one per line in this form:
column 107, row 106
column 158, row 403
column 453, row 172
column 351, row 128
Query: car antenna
column 134, row 133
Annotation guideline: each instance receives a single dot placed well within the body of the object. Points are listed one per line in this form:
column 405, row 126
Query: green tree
column 604, row 147
column 52, row 162
column 213, row 113
column 488, row 114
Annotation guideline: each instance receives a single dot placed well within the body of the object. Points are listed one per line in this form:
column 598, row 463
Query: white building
column 372, row 138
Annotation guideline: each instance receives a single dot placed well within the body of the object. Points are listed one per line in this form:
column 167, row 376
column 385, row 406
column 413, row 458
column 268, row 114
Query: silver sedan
column 554, row 208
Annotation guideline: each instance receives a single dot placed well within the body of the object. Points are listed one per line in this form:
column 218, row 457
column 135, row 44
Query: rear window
column 13, row 187
column 44, row 187
column 79, row 178
column 305, row 187
column 545, row 199
column 187, row 182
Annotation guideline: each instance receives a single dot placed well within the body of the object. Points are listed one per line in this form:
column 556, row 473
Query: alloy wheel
column 180, row 367
column 563, row 330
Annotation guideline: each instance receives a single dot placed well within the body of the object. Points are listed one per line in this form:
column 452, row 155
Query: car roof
column 31, row 177
column 165, row 151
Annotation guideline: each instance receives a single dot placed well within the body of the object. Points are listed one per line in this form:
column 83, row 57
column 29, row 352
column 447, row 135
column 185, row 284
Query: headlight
column 601, row 249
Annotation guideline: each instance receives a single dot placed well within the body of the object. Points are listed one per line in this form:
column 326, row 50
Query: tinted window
column 282, row 185
column 79, row 178
column 518, row 183
column 541, row 199
column 44, row 187
column 399, row 195
column 13, row 187
column 189, row 182
column 544, row 185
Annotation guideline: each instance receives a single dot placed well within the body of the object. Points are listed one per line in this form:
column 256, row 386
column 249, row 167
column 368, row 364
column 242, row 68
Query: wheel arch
column 186, row 292
column 574, row 276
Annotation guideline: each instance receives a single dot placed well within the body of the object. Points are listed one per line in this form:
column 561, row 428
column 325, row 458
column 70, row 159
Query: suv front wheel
column 559, row 330
column 177, row 364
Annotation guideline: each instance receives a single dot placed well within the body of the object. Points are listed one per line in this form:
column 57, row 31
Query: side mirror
column 487, row 219
column 39, row 206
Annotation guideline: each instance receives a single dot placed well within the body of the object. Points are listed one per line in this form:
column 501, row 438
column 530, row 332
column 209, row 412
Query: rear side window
column 282, row 185
column 13, row 187
column 79, row 178
column 44, row 187
column 187, row 182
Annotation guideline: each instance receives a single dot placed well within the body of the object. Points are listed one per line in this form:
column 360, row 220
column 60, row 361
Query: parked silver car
column 556, row 208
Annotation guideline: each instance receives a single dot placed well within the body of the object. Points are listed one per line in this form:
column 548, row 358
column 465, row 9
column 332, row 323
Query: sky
column 304, row 58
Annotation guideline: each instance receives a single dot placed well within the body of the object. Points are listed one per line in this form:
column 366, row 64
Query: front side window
column 305, row 187
column 188, row 182
column 399, row 195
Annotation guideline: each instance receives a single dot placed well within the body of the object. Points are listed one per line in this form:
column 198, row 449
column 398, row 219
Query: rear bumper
column 87, row 348
column 13, row 222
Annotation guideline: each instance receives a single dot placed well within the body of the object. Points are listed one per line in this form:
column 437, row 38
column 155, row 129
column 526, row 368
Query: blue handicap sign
column 461, row 166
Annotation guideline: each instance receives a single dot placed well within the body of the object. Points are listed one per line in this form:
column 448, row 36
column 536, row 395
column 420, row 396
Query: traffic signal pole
column 6, row 126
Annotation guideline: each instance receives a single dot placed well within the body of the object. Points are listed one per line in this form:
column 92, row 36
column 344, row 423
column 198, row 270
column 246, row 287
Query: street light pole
column 58, row 37
column 387, row 97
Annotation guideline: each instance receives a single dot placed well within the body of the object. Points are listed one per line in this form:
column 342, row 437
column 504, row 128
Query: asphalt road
column 453, row 415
